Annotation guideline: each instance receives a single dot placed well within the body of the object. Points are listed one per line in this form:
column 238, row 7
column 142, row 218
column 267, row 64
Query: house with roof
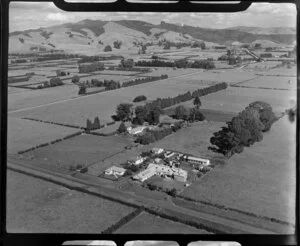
column 137, row 161
column 136, row 130
column 157, row 151
column 115, row 171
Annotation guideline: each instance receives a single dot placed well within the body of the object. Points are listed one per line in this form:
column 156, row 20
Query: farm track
column 162, row 208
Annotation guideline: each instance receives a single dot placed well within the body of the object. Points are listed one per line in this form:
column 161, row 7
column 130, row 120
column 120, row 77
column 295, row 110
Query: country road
column 223, row 224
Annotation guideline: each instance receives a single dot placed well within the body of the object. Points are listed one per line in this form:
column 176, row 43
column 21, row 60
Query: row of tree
column 167, row 102
column 52, row 83
column 93, row 125
column 244, row 130
column 182, row 63
column 138, row 81
column 152, row 136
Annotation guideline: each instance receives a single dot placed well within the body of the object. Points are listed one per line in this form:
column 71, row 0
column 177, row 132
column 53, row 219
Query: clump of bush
column 244, row 130
column 53, row 82
column 140, row 98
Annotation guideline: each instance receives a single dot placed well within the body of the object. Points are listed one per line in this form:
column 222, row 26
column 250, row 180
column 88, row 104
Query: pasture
column 147, row 223
column 33, row 98
column 23, row 134
column 38, row 206
column 84, row 149
column 272, row 82
column 76, row 111
column 260, row 180
column 193, row 140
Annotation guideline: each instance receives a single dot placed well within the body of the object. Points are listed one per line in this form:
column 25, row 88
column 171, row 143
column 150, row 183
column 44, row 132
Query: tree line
column 138, row 81
column 182, row 63
column 52, row 83
column 170, row 101
column 244, row 129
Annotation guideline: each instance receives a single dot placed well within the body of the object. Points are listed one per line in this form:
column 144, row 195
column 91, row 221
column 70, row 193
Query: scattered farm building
column 157, row 151
column 161, row 170
column 197, row 160
column 137, row 161
column 136, row 130
column 169, row 154
column 116, row 171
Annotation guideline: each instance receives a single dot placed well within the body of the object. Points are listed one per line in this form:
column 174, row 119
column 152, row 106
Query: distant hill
column 93, row 35
column 268, row 31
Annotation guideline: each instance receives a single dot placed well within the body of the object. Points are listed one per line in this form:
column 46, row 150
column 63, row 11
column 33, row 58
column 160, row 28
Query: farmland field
column 281, row 71
column 31, row 98
column 260, row 180
column 83, row 149
column 76, row 112
column 38, row 206
column 23, row 134
column 13, row 90
column 193, row 140
column 148, row 223
column 289, row 83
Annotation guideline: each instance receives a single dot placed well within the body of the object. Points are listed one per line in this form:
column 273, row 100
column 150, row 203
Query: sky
column 32, row 15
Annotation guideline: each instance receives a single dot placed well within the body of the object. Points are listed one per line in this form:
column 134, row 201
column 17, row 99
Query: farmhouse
column 116, row 171
column 157, row 151
column 146, row 174
column 169, row 154
column 196, row 160
column 137, row 161
column 161, row 170
column 136, row 130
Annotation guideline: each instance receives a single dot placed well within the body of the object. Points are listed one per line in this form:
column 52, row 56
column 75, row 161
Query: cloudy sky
column 30, row 15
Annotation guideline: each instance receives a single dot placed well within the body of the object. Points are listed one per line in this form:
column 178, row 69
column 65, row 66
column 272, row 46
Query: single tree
column 96, row 123
column 89, row 125
column 107, row 48
column 124, row 111
column 122, row 128
column 197, row 102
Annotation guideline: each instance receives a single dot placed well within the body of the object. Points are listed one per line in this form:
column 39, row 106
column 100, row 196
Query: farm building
column 116, row 171
column 136, row 130
column 144, row 175
column 169, row 154
column 161, row 170
column 157, row 151
column 197, row 160
column 137, row 161
column 91, row 67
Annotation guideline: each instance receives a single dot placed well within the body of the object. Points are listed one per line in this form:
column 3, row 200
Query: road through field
column 226, row 225
column 80, row 97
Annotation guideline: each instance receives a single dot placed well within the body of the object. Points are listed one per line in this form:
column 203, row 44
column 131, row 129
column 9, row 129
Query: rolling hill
column 93, row 35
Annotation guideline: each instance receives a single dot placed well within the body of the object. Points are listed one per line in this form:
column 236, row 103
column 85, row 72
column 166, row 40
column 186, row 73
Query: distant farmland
column 24, row 134
column 261, row 180
column 38, row 206
column 76, row 112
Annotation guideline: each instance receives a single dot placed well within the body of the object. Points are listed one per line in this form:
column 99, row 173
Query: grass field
column 289, row 83
column 31, row 98
column 235, row 99
column 83, row 149
column 76, row 112
column 281, row 71
column 38, row 206
column 193, row 140
column 23, row 134
column 14, row 90
column 148, row 223
column 260, row 180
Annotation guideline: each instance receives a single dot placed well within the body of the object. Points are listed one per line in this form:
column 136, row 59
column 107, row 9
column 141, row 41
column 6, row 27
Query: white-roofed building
column 116, row 171
column 157, row 151
column 197, row 160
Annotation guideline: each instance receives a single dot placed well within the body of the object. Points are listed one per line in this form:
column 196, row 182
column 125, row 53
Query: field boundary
column 261, row 87
column 50, row 143
column 222, row 207
column 54, row 123
column 126, row 219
